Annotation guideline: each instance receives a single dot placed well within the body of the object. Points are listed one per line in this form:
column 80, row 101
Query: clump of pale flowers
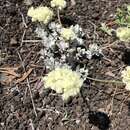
column 41, row 14
column 68, row 34
column 64, row 81
column 123, row 33
column 126, row 77
column 60, row 4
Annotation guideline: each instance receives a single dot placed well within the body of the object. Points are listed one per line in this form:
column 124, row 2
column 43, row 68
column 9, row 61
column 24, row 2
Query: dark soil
column 99, row 106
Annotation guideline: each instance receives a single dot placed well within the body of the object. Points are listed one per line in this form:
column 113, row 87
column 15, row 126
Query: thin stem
column 105, row 81
column 58, row 15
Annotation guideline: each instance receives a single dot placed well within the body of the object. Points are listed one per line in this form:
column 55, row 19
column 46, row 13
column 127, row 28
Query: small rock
column 77, row 121
column 110, row 74
column 13, row 41
column 61, row 128
column 94, row 128
column 2, row 124
column 28, row 2
column 109, row 90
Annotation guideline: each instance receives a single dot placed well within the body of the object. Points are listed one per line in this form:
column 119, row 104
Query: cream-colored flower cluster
column 41, row 14
column 60, row 4
column 126, row 77
column 64, row 81
column 123, row 33
column 67, row 34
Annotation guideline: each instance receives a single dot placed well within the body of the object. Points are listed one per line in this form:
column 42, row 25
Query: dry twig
column 28, row 84
column 25, row 75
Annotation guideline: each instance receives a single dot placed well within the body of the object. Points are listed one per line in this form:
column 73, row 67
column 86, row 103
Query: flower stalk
column 105, row 81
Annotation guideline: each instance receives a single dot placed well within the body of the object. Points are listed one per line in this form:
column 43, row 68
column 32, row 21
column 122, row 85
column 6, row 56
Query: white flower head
column 41, row 14
column 67, row 34
column 60, row 4
column 126, row 77
column 64, row 81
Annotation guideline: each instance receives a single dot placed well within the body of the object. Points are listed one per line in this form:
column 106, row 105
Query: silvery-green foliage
column 52, row 36
column 81, row 52
column 58, row 53
column 50, row 61
column 83, row 71
column 79, row 34
column 48, row 40
column 41, row 32
column 62, row 44
column 55, row 27
column 78, row 30
column 72, row 50
column 48, row 58
column 94, row 49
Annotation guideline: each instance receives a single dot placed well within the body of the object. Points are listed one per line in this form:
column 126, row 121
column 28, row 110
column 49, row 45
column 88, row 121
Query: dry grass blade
column 10, row 71
column 6, row 79
column 25, row 75
column 8, row 75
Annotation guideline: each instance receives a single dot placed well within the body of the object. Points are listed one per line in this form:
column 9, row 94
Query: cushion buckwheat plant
column 126, row 77
column 60, row 4
column 41, row 14
column 64, row 81
column 123, row 33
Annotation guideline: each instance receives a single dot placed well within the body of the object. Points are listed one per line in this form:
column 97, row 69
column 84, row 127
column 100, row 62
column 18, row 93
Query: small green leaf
column 128, row 7
column 106, row 29
column 128, row 19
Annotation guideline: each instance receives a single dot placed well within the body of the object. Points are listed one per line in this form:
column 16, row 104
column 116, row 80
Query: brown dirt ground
column 16, row 109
